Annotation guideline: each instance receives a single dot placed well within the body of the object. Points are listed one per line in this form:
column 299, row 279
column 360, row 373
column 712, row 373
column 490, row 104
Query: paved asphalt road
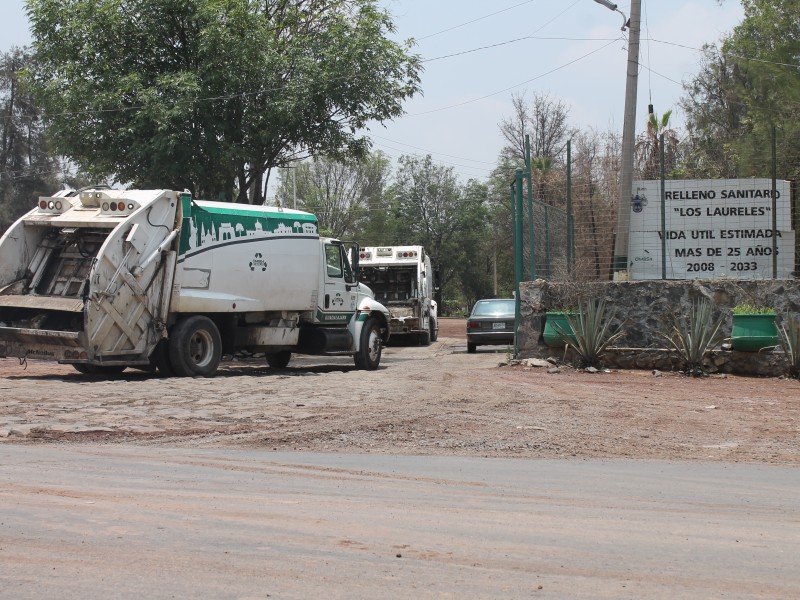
column 140, row 522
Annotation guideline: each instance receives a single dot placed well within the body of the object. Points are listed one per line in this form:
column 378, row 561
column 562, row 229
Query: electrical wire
column 474, row 20
column 550, row 72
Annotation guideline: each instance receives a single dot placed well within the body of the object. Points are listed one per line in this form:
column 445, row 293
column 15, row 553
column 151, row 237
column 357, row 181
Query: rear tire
column 195, row 347
column 278, row 360
column 425, row 338
column 368, row 356
column 160, row 359
column 98, row 369
column 471, row 348
column 434, row 330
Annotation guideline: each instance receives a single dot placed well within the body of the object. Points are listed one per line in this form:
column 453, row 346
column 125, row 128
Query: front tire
column 195, row 347
column 368, row 356
column 278, row 360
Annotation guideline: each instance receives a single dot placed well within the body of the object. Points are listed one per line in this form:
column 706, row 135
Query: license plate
column 498, row 325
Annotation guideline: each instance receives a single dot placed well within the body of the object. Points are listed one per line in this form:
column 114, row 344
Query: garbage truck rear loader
column 401, row 277
column 107, row 279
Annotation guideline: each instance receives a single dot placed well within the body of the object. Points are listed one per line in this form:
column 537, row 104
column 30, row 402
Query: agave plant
column 790, row 343
column 692, row 337
column 592, row 332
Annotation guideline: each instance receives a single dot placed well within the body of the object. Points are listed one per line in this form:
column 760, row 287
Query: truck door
column 339, row 296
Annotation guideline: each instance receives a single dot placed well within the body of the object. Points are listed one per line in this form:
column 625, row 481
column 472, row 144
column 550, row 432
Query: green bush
column 746, row 308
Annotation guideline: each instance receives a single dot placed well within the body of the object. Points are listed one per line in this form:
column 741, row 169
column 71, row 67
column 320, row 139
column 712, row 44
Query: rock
column 553, row 370
column 536, row 362
column 591, row 370
column 657, row 373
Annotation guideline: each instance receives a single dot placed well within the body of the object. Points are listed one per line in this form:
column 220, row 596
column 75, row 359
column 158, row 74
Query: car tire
column 471, row 348
column 195, row 347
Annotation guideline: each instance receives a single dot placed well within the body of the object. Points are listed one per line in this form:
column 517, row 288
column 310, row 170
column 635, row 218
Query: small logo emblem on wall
column 638, row 202
column 338, row 300
column 258, row 261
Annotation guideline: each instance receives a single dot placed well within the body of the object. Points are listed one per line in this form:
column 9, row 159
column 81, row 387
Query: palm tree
column 648, row 146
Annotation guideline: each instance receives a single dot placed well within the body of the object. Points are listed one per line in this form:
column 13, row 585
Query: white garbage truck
column 106, row 279
column 401, row 278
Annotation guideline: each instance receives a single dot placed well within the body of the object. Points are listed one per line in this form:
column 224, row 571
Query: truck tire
column 368, row 356
column 424, row 338
column 160, row 359
column 278, row 360
column 98, row 369
column 434, row 331
column 195, row 347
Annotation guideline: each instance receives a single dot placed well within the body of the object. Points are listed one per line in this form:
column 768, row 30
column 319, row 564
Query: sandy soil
column 423, row 400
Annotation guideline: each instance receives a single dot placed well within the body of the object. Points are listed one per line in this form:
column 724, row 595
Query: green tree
column 433, row 209
column 749, row 85
column 26, row 167
column 340, row 193
column 210, row 95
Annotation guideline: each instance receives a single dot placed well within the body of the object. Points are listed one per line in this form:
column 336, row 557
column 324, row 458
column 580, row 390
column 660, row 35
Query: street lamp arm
column 612, row 6
column 625, row 22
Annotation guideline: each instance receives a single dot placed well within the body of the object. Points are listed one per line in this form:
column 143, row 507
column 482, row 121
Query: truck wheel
column 434, row 331
column 98, row 369
column 160, row 359
column 471, row 347
column 424, row 338
column 195, row 347
column 368, row 356
column 279, row 360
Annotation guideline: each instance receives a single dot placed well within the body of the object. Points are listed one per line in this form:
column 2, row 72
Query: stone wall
column 645, row 307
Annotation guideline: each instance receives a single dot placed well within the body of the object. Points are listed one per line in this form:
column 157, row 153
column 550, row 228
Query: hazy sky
column 478, row 53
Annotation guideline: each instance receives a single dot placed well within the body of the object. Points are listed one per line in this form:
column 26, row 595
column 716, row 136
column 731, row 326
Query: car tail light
column 473, row 325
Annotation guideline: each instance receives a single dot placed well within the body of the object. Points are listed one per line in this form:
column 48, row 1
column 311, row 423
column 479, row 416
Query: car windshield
column 493, row 308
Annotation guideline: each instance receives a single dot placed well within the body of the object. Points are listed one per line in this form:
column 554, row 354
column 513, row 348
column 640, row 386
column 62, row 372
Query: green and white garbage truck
column 105, row 279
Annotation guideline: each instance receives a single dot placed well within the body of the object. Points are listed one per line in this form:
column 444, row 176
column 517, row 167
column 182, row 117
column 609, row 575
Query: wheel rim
column 201, row 348
column 374, row 346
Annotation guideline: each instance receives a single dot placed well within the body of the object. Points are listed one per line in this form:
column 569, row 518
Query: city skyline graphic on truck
column 209, row 229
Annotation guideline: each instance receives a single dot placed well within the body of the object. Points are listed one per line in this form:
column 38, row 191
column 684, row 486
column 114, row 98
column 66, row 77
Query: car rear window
column 487, row 308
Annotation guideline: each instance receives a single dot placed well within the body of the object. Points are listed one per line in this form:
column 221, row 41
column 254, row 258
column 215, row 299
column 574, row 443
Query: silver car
column 491, row 323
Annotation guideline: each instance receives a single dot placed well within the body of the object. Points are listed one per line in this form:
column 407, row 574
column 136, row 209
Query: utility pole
column 620, row 266
column 628, row 142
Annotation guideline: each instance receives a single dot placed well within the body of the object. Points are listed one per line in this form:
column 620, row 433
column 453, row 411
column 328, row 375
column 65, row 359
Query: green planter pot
column 752, row 333
column 555, row 326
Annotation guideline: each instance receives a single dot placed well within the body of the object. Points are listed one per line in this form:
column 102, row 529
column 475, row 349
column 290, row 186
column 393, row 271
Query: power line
column 521, row 39
column 551, row 71
column 475, row 20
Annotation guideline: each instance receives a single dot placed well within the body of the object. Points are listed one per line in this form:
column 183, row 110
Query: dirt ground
column 423, row 400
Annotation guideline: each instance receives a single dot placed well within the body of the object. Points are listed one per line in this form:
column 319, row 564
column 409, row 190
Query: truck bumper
column 40, row 344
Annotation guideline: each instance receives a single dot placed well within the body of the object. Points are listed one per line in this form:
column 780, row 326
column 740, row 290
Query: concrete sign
column 714, row 228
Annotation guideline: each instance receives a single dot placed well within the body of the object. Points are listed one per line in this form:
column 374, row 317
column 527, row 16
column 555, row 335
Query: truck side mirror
column 351, row 251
